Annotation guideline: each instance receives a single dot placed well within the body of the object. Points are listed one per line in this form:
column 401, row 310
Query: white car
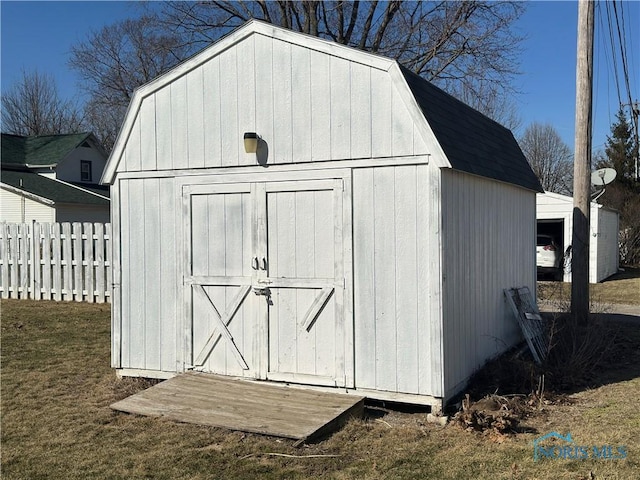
column 548, row 256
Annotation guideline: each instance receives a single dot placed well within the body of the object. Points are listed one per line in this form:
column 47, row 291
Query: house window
column 85, row 171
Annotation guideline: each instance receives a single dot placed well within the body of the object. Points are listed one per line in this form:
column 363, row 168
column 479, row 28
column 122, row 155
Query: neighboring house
column 555, row 218
column 362, row 241
column 53, row 178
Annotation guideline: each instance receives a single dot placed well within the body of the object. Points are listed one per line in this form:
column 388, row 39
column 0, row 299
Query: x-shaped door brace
column 222, row 322
column 316, row 308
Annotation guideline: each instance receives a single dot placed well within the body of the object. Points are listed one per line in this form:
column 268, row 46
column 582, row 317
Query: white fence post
column 35, row 270
column 56, row 261
column 23, row 262
column 4, row 260
column 58, row 271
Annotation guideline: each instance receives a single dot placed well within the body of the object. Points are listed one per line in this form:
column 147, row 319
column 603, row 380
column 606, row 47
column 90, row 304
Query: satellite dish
column 603, row 176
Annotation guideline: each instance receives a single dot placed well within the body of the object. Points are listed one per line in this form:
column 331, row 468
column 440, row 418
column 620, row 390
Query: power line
column 614, row 57
column 621, row 31
column 623, row 51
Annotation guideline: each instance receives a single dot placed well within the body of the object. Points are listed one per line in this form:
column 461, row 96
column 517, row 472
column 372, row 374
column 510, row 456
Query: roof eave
column 27, row 194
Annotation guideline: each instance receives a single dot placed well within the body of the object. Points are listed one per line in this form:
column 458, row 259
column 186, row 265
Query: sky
column 39, row 36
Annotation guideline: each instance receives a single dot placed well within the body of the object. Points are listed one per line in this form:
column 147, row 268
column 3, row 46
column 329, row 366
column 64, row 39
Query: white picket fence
column 56, row 261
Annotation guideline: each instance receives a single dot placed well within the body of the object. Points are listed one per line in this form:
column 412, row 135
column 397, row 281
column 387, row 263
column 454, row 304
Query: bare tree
column 105, row 120
column 33, row 107
column 487, row 100
column 550, row 158
column 461, row 46
column 450, row 43
column 116, row 60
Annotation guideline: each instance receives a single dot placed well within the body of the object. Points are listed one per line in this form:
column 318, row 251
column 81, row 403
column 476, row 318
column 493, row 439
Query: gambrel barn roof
column 472, row 142
column 459, row 136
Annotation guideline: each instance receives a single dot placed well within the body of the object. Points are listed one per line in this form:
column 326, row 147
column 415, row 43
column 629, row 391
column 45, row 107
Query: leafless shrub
column 575, row 351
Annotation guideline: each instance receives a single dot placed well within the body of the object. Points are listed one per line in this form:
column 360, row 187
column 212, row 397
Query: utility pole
column 582, row 165
column 635, row 113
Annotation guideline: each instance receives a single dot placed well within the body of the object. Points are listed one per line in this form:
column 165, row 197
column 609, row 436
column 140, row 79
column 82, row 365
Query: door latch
column 262, row 291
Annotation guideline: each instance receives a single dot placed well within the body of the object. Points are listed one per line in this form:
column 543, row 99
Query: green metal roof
column 39, row 150
column 48, row 188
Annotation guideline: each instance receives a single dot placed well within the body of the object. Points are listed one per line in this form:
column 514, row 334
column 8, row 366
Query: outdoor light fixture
column 251, row 142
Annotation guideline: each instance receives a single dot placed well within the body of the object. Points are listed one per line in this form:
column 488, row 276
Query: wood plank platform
column 247, row 406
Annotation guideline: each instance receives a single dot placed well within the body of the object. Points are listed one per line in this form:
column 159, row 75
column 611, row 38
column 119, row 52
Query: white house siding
column 69, row 168
column 603, row 238
column 307, row 106
column 149, row 284
column 488, row 235
column 16, row 208
column 396, row 279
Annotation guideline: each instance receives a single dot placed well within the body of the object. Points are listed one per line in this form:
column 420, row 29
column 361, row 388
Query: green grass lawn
column 57, row 385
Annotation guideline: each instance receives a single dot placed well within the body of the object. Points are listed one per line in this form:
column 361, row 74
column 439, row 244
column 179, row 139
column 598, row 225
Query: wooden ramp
column 255, row 407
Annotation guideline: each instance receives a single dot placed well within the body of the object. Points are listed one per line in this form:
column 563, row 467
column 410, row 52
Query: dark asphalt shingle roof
column 472, row 142
column 39, row 150
column 48, row 188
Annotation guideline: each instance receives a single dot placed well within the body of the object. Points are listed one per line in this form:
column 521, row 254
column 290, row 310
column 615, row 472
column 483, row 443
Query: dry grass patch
column 57, row 386
column 621, row 288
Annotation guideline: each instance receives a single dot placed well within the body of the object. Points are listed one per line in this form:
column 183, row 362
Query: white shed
column 364, row 247
column 555, row 218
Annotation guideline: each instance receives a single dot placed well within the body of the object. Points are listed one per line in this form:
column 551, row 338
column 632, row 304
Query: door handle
column 264, row 263
column 254, row 263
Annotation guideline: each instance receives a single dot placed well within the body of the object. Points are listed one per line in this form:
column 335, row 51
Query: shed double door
column 266, row 280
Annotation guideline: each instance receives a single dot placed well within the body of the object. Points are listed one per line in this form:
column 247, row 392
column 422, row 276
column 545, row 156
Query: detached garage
column 555, row 218
column 362, row 243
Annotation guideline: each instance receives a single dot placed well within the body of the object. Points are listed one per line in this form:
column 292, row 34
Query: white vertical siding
column 301, row 105
column 195, row 119
column 361, row 115
column 306, row 105
column 149, row 286
column 229, row 136
column 212, row 121
column 320, row 106
column 396, row 279
column 164, row 130
column 488, row 238
column 148, row 160
column 340, row 71
column 180, row 123
column 132, row 155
